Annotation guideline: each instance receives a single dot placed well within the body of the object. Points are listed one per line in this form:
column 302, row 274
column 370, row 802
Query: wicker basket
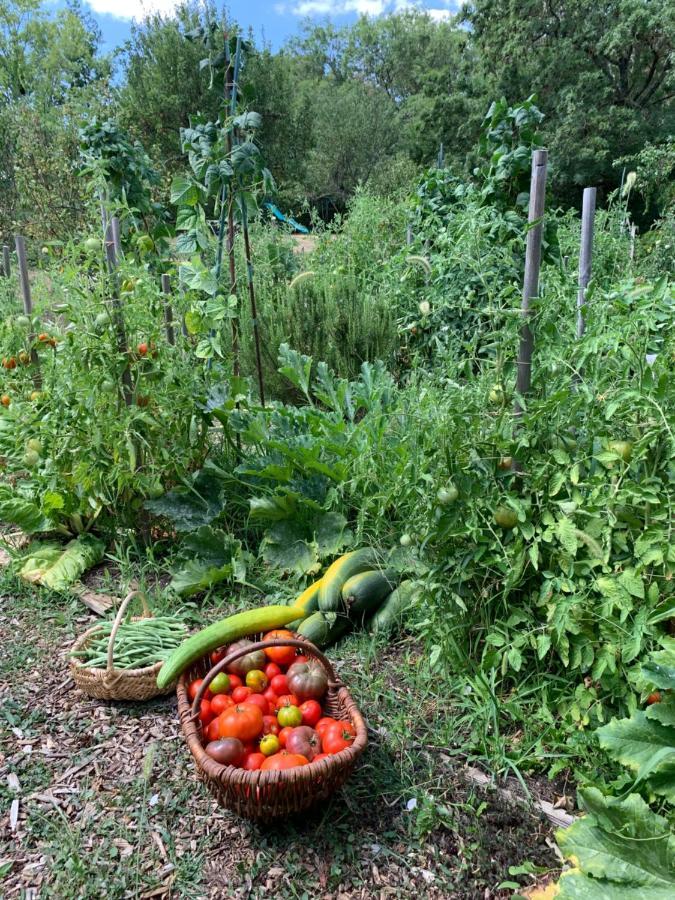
column 267, row 795
column 111, row 683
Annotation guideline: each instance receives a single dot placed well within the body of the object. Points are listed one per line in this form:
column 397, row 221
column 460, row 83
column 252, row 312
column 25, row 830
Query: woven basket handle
column 147, row 614
column 306, row 646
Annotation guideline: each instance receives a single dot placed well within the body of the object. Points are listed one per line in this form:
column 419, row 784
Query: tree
column 602, row 73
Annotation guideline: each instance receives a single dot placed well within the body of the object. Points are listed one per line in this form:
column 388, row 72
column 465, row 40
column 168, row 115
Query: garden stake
column 251, row 293
column 28, row 306
column 118, row 316
column 531, row 279
column 231, row 96
column 585, row 254
column 168, row 312
column 6, row 265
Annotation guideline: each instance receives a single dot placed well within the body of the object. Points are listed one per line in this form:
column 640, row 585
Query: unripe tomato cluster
column 266, row 711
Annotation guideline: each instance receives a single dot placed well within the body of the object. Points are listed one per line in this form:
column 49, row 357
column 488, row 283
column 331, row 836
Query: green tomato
column 496, row 395
column 22, row 322
column 34, row 445
column 289, row 716
column 405, row 540
column 624, row 449
column 92, row 245
column 220, row 684
column 31, row 459
column 447, row 495
column 505, row 517
column 108, row 386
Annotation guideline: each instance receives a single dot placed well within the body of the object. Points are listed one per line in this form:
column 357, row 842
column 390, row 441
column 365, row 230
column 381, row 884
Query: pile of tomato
column 265, row 712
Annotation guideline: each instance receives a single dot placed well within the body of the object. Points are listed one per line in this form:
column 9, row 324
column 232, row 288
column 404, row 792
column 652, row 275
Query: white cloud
column 369, row 7
column 133, row 9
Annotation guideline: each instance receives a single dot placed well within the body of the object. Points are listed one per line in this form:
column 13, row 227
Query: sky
column 271, row 20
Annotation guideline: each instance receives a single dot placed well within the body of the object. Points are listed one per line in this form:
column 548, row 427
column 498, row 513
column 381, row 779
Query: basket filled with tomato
column 271, row 728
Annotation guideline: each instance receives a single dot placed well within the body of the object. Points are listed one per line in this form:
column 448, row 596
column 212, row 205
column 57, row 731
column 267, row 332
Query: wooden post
column 532, row 266
column 585, row 253
column 168, row 312
column 408, row 234
column 251, row 294
column 6, row 264
column 631, row 252
column 24, row 281
column 115, row 222
column 118, row 315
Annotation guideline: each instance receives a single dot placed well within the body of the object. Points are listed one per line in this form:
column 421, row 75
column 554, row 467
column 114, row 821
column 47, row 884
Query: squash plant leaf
column 197, row 503
column 620, row 849
column 645, row 746
column 288, row 546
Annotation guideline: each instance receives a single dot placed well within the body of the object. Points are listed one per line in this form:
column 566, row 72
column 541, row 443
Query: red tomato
column 220, row 703
column 301, row 658
column 311, row 712
column 270, row 725
column 217, row 655
column 241, row 693
column 259, row 701
column 271, row 697
column 283, row 760
column 283, row 735
column 206, row 714
column 279, row 685
column 287, row 700
column 194, row 686
column 323, row 724
column 283, row 656
column 654, row 697
column 272, row 669
column 253, row 761
column 235, row 681
column 321, row 756
column 243, row 721
column 337, row 737
column 211, row 731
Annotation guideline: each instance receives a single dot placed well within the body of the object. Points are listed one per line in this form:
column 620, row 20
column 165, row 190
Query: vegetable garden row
column 497, row 490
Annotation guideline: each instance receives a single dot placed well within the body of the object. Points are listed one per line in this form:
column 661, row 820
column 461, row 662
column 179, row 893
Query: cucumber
column 315, row 628
column 265, row 618
column 363, row 593
column 308, row 601
column 324, row 629
column 330, row 597
column 394, row 608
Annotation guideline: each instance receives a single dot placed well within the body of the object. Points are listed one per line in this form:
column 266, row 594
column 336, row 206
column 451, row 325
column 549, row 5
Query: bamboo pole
column 251, row 294
column 532, row 267
column 24, row 281
column 585, row 253
column 168, row 312
column 115, row 222
column 118, row 314
column 6, row 262
column 231, row 97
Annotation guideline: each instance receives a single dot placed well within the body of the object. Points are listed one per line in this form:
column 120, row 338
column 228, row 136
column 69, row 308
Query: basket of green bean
column 120, row 660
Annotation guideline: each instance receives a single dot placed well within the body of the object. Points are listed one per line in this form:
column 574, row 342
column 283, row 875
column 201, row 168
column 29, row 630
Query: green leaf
column 198, row 575
column 331, row 533
column 191, row 506
column 664, row 711
column 643, row 745
column 216, row 556
column 184, row 192
column 567, row 535
column 288, row 547
column 659, row 670
column 24, row 513
column 57, row 567
column 633, row 583
column 620, row 849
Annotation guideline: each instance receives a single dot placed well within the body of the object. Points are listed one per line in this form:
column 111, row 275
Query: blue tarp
column 277, row 213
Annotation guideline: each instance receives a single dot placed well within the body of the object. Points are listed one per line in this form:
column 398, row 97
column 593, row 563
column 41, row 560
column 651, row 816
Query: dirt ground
column 101, row 800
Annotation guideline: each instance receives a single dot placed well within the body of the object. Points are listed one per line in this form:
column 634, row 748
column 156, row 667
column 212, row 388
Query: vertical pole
column 168, row 312
column 6, row 263
column 251, row 293
column 27, row 304
column 631, row 252
column 115, row 222
column 408, row 234
column 585, row 253
column 118, row 316
column 532, row 266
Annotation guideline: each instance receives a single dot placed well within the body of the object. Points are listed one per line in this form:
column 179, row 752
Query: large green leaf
column 194, row 505
column 620, row 849
column 663, row 712
column 645, row 746
column 289, row 547
column 58, row 567
column 331, row 533
column 660, row 669
column 216, row 556
column 24, row 513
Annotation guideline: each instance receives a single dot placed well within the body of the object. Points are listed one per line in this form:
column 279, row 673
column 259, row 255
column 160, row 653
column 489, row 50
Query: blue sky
column 274, row 20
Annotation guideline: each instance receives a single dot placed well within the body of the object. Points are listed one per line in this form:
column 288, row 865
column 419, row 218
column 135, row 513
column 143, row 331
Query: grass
column 133, row 818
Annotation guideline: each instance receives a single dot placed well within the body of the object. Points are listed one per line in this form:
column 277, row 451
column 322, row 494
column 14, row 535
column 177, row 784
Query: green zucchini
column 324, row 629
column 394, row 608
column 363, row 593
column 265, row 618
column 330, row 592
